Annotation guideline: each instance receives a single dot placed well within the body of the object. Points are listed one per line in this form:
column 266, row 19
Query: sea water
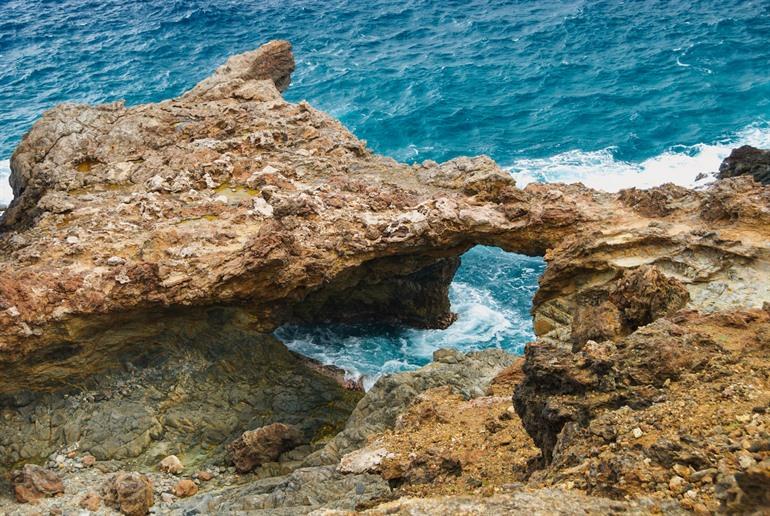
column 610, row 93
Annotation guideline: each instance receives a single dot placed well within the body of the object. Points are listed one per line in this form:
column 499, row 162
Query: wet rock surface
column 747, row 160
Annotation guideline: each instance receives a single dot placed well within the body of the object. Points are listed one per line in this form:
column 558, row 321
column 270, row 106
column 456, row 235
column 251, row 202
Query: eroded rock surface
column 160, row 242
column 747, row 160
column 231, row 196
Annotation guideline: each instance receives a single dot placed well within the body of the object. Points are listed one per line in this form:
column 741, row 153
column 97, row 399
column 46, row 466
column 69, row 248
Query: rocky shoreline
column 150, row 251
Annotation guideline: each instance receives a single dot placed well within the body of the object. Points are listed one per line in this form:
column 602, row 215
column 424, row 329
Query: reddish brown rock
column 91, row 501
column 33, row 482
column 129, row 493
column 185, row 488
column 264, row 444
column 204, row 476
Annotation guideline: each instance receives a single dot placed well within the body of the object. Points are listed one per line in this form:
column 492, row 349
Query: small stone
column 185, row 488
column 699, row 508
column 204, row 475
column 171, row 464
column 88, row 460
column 167, row 498
column 676, row 483
column 743, row 418
column 637, row 432
column 745, row 460
column 72, row 240
column 60, row 458
column 91, row 501
column 112, row 261
column 682, row 471
column 692, row 494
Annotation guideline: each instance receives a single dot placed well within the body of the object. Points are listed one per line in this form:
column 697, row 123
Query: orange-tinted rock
column 129, row 493
column 33, row 482
column 91, row 501
column 185, row 488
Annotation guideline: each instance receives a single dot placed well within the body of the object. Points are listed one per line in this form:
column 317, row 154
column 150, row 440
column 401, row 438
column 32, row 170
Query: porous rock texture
column 231, row 211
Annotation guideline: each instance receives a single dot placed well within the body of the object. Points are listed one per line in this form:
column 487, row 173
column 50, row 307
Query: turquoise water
column 610, row 93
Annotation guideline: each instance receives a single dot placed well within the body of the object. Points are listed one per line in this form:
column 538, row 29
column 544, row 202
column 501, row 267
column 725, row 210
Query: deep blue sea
column 611, row 93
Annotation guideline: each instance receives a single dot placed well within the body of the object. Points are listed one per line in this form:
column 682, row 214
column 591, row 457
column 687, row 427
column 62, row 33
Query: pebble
column 676, row 483
column 637, row 432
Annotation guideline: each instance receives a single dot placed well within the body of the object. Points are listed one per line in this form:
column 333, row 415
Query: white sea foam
column 601, row 170
column 6, row 195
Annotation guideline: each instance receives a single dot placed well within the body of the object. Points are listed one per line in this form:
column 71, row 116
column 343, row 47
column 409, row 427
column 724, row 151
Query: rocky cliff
column 203, row 222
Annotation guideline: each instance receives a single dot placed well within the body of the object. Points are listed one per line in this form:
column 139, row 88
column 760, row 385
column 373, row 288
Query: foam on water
column 601, row 170
column 492, row 305
column 6, row 195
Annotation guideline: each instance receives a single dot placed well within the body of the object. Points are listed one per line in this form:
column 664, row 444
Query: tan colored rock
column 33, row 482
column 292, row 218
column 365, row 460
column 91, row 501
column 185, row 488
column 88, row 460
column 265, row 444
column 204, row 476
column 171, row 464
column 129, row 493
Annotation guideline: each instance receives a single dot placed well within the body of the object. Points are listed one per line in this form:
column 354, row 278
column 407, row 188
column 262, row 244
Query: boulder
column 171, row 464
column 128, row 492
column 33, row 482
column 265, row 444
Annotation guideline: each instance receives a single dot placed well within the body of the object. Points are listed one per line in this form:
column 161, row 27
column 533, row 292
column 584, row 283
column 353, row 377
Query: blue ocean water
column 612, row 93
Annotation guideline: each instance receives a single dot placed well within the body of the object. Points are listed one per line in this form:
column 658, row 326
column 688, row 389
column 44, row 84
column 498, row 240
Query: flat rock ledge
column 149, row 250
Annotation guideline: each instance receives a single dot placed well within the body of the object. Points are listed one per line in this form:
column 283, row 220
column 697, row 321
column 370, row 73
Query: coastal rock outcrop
column 747, row 160
column 231, row 197
column 149, row 250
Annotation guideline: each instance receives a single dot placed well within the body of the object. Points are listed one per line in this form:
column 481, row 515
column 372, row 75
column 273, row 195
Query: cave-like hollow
column 490, row 297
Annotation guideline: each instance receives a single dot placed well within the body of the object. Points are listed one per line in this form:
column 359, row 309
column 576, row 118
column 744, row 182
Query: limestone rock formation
column 229, row 196
column 747, row 160
column 188, row 393
column 265, row 444
column 149, row 249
